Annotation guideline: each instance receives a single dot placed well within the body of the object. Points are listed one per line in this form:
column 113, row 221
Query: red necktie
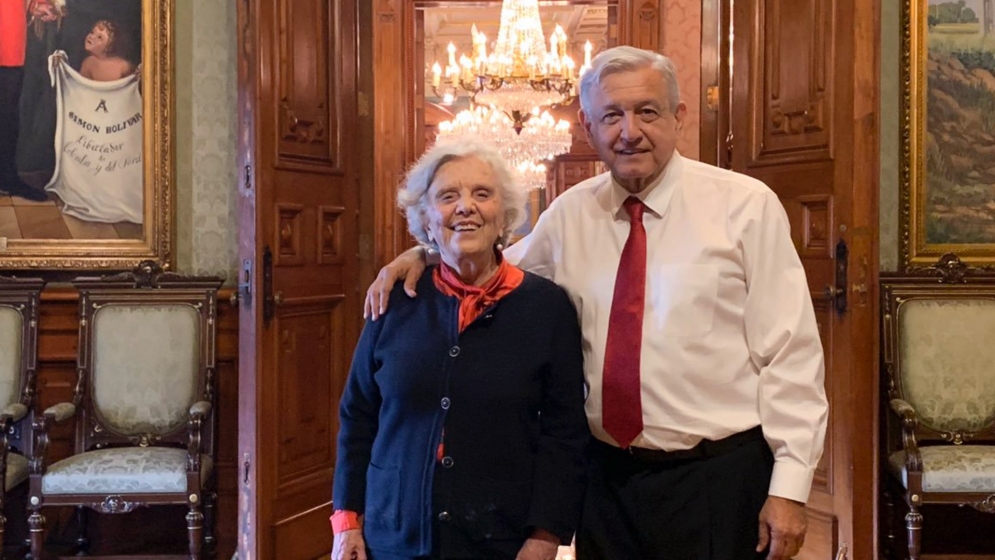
column 621, row 406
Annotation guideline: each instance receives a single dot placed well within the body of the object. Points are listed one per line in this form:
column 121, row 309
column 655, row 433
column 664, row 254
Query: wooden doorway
column 299, row 264
column 795, row 105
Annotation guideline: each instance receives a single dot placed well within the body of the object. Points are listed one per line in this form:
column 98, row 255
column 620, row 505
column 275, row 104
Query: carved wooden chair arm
column 902, row 408
column 913, row 459
column 54, row 414
column 8, row 417
column 200, row 408
column 14, row 413
column 199, row 411
column 59, row 413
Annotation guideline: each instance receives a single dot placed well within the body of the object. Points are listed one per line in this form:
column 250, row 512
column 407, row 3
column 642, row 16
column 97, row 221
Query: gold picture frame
column 948, row 184
column 156, row 238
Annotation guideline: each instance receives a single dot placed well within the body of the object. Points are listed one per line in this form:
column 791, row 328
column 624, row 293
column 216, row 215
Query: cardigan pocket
column 383, row 496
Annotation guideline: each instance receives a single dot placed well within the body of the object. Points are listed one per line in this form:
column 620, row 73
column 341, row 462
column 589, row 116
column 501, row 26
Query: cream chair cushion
column 946, row 371
column 951, row 468
column 17, row 470
column 145, row 366
column 127, row 470
column 11, row 332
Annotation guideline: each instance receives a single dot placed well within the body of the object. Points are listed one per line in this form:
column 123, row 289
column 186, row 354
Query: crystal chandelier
column 540, row 138
column 520, row 73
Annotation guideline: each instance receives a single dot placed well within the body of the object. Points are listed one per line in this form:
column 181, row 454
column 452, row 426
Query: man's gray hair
column 412, row 199
column 627, row 59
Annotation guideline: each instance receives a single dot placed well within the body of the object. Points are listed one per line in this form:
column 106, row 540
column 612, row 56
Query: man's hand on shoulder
column 782, row 527
column 409, row 265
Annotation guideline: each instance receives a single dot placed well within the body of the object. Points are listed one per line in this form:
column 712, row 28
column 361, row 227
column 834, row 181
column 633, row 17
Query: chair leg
column 890, row 537
column 3, row 524
column 210, row 523
column 82, row 542
column 913, row 524
column 36, row 526
column 195, row 530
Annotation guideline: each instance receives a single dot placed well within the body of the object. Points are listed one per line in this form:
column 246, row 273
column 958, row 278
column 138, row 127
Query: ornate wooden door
column 299, row 245
column 802, row 119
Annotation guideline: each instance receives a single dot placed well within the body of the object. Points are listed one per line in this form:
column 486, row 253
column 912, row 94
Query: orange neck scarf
column 474, row 300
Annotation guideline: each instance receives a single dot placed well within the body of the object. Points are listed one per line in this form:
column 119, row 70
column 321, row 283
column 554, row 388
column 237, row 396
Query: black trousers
column 690, row 509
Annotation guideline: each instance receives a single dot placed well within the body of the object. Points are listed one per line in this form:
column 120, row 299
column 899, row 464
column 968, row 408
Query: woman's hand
column 542, row 545
column 409, row 265
column 349, row 545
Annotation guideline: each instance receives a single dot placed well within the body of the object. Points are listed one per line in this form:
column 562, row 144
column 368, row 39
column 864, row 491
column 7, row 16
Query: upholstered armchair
column 143, row 404
column 939, row 351
column 18, row 360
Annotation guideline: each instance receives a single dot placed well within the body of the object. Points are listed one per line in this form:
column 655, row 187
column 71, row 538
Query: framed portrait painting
column 86, row 100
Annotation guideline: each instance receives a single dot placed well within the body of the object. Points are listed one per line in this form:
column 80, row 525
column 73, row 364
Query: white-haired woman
column 462, row 423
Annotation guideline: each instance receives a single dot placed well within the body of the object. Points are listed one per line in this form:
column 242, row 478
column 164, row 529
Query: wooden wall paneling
column 390, row 127
column 155, row 530
column 644, row 25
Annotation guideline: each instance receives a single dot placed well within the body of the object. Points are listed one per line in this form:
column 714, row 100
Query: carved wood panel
column 329, row 239
column 307, row 423
column 823, row 481
column 303, row 123
column 791, row 58
column 308, row 107
column 568, row 170
column 816, row 225
column 646, row 24
column 288, row 234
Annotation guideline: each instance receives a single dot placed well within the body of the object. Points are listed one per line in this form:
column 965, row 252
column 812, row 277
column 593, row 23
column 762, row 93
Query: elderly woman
column 462, row 423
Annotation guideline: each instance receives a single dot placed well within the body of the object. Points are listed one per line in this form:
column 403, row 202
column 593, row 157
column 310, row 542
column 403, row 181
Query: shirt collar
column 656, row 196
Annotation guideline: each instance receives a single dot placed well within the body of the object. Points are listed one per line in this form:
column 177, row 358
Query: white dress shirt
column 729, row 334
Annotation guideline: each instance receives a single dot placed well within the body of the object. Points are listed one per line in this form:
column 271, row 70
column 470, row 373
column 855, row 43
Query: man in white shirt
column 701, row 349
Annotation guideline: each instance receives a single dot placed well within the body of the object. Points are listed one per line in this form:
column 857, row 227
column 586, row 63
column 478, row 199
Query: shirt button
column 445, row 403
column 447, row 462
column 454, row 351
column 444, row 516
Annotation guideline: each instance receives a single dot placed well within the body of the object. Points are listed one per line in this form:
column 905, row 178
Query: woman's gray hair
column 412, row 199
column 627, row 59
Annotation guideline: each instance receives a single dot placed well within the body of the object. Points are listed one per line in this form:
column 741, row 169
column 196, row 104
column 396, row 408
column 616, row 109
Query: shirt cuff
column 344, row 520
column 791, row 480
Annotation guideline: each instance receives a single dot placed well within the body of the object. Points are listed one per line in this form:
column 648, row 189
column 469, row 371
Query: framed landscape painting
column 948, row 187
column 86, row 98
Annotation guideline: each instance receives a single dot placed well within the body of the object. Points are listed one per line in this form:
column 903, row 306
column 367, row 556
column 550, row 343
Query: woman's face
column 98, row 40
column 465, row 209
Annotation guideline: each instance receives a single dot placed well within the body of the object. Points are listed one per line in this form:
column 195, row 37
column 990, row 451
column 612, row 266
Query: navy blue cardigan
column 509, row 393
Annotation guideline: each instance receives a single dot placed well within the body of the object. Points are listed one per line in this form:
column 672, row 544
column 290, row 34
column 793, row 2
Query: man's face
column 632, row 126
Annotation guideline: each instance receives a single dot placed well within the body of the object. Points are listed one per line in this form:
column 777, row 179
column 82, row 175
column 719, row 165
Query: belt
column 705, row 449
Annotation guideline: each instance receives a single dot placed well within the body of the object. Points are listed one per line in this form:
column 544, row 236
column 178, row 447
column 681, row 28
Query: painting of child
column 100, row 42
column 103, row 46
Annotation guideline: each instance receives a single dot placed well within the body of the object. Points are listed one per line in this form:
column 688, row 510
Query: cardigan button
column 445, row 403
column 444, row 516
column 447, row 462
column 454, row 351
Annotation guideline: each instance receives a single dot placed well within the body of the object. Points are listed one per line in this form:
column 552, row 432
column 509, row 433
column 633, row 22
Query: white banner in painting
column 98, row 146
